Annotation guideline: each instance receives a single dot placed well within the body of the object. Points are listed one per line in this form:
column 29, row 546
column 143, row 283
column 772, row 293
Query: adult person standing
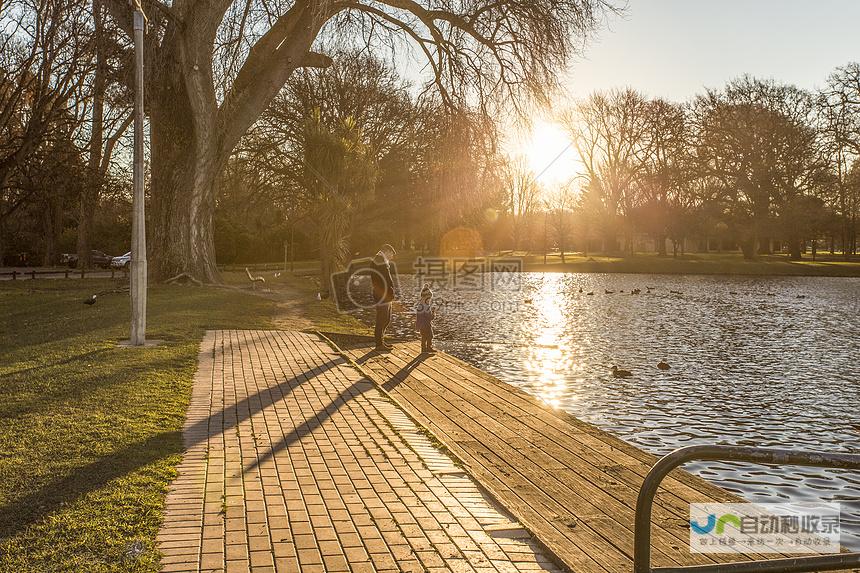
column 383, row 293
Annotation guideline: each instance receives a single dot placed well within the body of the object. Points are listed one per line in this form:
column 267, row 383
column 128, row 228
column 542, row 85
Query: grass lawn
column 91, row 432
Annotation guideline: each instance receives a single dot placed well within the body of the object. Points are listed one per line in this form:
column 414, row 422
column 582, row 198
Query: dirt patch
column 298, row 307
column 292, row 314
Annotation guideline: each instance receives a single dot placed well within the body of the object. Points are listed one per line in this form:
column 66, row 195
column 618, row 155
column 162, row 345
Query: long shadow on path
column 398, row 376
column 357, row 388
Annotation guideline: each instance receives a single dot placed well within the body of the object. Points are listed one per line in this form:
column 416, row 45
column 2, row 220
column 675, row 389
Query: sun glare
column 548, row 360
column 548, row 152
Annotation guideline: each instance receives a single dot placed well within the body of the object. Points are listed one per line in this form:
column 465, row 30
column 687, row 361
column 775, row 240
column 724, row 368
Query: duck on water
column 621, row 373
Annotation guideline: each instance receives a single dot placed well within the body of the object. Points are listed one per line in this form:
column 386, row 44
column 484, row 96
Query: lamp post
column 138, row 224
column 545, row 242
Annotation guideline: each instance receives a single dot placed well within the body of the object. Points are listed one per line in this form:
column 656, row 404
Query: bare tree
column 756, row 139
column 664, row 190
column 559, row 204
column 339, row 174
column 325, row 127
column 609, row 131
column 843, row 92
column 45, row 54
column 105, row 109
column 215, row 66
column 839, row 105
column 521, row 196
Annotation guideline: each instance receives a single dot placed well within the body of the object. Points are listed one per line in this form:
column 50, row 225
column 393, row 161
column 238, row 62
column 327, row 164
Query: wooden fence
column 66, row 273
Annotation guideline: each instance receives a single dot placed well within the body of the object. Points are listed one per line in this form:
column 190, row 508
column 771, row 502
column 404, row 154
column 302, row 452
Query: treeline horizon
column 745, row 166
column 349, row 155
column 754, row 166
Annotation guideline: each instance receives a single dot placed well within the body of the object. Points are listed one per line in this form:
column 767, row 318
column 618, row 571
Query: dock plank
column 553, row 479
column 694, row 489
column 573, row 485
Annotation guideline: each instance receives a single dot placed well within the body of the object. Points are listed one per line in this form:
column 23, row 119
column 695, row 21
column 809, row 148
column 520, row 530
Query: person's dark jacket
column 423, row 315
column 383, row 283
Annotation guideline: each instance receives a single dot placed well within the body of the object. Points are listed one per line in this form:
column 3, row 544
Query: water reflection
column 752, row 364
column 548, row 358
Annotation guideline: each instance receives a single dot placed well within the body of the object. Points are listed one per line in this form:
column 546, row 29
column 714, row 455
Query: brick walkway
column 295, row 462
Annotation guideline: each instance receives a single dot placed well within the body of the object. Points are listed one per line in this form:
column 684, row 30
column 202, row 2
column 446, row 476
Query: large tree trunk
column 795, row 251
column 184, row 187
column 192, row 138
column 187, row 158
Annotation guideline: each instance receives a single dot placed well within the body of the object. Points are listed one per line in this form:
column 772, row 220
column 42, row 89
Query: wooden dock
column 573, row 485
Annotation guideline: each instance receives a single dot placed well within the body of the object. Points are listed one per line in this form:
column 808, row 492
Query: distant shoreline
column 691, row 264
column 696, row 267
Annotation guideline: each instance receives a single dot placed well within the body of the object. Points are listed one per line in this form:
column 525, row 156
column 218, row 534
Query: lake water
column 758, row 361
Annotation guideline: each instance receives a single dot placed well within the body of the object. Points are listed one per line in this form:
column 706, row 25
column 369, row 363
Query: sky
column 677, row 48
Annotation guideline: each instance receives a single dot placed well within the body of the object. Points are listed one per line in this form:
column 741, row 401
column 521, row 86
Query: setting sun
column 548, row 152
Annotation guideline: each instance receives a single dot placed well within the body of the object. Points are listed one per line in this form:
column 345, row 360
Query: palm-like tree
column 340, row 173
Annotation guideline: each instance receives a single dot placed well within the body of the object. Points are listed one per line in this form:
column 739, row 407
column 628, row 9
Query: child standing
column 424, row 314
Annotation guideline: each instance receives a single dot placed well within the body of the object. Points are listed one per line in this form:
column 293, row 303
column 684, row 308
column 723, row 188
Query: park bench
column 254, row 280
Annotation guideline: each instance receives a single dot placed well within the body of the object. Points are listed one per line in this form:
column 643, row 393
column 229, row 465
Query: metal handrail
column 765, row 456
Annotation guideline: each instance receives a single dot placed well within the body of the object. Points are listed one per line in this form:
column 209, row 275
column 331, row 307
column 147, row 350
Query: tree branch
column 434, row 62
column 282, row 49
column 315, row 60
